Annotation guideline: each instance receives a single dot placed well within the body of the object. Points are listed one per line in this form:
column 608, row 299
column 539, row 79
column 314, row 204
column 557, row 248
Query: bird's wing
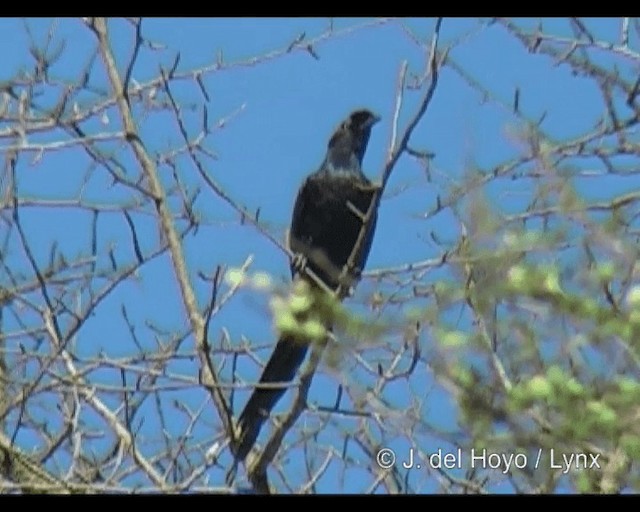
column 300, row 215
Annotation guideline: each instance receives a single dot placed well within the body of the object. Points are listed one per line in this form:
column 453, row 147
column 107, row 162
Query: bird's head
column 360, row 121
column 349, row 142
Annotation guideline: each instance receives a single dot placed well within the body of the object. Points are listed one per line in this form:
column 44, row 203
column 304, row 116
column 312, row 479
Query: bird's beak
column 374, row 119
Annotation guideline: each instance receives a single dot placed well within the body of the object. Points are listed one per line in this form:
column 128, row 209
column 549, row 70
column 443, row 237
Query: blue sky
column 281, row 112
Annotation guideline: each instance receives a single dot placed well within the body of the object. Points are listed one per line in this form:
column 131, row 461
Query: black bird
column 327, row 219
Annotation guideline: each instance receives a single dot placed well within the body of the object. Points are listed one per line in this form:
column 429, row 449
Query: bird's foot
column 299, row 263
column 348, row 279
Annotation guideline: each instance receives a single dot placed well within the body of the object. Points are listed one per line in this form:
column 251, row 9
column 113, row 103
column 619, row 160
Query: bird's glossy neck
column 345, row 154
